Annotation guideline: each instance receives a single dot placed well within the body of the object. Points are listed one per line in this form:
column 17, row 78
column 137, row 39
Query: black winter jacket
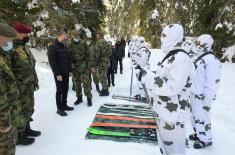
column 113, row 60
column 120, row 50
column 59, row 59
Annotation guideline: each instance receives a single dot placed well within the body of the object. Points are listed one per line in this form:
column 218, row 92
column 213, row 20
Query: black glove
column 138, row 67
column 141, row 74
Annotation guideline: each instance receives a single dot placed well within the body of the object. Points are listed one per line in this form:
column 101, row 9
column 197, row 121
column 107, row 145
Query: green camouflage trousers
column 102, row 75
column 18, row 121
column 95, row 77
column 7, row 143
column 84, row 79
column 26, row 98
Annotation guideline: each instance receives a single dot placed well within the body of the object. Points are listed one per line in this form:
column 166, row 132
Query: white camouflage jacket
column 169, row 87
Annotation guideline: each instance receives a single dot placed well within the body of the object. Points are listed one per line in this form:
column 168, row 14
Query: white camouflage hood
column 172, row 35
column 140, row 42
column 204, row 43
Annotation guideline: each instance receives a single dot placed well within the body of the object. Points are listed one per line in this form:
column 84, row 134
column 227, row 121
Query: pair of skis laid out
column 118, row 122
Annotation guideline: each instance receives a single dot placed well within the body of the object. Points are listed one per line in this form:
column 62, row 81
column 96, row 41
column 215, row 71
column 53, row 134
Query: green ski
column 129, row 133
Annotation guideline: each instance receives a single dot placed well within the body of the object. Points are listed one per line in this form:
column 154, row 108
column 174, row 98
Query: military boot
column 104, row 92
column 89, row 102
column 24, row 140
column 79, row 100
column 97, row 88
column 30, row 132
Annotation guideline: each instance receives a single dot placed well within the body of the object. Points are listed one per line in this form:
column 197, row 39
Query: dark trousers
column 110, row 76
column 62, row 88
column 119, row 60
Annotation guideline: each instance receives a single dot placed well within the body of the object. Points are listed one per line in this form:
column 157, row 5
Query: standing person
column 120, row 53
column 94, row 74
column 169, row 87
column 204, row 89
column 102, row 51
column 123, row 42
column 23, row 66
column 79, row 54
column 110, row 72
column 7, row 136
column 60, row 63
column 141, row 59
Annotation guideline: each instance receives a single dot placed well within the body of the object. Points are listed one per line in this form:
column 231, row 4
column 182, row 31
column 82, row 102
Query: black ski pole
column 131, row 83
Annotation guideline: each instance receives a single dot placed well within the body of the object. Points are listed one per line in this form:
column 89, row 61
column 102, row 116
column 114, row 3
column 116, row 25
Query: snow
column 87, row 31
column 44, row 14
column 218, row 26
column 39, row 23
column 228, row 25
column 66, row 135
column 154, row 14
column 32, row 4
column 229, row 53
column 76, row 1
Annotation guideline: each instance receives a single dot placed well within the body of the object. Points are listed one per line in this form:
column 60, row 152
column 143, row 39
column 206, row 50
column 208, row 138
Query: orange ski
column 101, row 124
column 112, row 117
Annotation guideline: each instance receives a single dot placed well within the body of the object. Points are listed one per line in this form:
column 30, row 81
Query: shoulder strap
column 144, row 48
column 201, row 56
column 171, row 53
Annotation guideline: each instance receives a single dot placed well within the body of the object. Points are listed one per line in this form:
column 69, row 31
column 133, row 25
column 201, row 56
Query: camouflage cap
column 7, row 31
column 75, row 33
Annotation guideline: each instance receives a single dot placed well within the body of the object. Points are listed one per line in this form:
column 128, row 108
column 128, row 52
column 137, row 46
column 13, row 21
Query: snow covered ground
column 66, row 135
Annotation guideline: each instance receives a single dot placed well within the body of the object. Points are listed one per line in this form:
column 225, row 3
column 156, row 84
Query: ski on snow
column 127, row 107
column 126, row 98
column 134, row 133
column 120, row 125
column 125, row 118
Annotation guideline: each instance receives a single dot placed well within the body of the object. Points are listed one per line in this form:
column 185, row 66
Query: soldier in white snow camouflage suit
column 169, row 87
column 203, row 93
column 141, row 59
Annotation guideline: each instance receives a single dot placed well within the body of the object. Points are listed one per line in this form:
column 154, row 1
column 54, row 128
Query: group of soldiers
column 187, row 78
column 79, row 58
column 18, row 81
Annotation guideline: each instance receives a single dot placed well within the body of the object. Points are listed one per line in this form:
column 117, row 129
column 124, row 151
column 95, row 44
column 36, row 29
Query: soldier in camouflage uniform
column 102, row 52
column 169, row 86
column 8, row 93
column 204, row 89
column 94, row 74
column 79, row 54
column 23, row 65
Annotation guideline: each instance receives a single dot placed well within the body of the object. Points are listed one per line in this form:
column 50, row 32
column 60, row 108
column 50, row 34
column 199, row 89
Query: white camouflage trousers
column 201, row 121
column 171, row 137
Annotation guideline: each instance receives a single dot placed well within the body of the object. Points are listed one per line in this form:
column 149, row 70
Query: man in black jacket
column 61, row 66
column 113, row 62
column 120, row 52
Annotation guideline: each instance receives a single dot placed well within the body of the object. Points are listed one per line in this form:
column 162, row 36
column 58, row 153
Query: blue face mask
column 8, row 47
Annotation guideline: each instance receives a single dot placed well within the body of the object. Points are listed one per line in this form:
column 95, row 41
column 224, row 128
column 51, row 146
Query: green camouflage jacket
column 80, row 55
column 101, row 53
column 23, row 64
